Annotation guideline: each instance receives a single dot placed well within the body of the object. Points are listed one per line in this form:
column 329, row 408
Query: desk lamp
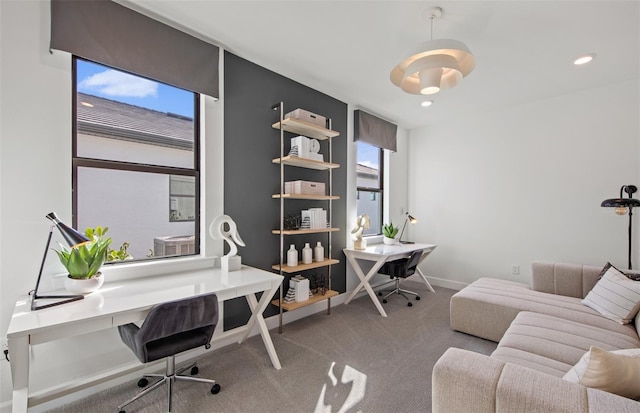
column 411, row 219
column 73, row 239
column 624, row 206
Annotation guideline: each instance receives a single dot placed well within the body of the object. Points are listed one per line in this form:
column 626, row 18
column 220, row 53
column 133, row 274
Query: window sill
column 373, row 239
column 143, row 269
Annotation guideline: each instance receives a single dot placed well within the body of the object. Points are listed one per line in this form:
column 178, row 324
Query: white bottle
column 318, row 252
column 292, row 256
column 307, row 254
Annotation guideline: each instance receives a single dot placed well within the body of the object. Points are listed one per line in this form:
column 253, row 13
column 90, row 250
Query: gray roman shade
column 374, row 131
column 111, row 34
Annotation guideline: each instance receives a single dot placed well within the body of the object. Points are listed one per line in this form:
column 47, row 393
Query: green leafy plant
column 389, row 231
column 84, row 261
column 120, row 255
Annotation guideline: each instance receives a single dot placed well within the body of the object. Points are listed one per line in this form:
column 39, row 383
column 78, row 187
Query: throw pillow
column 615, row 372
column 635, row 276
column 615, row 296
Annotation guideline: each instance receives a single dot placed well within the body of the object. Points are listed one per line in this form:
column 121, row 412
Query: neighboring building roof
column 119, row 120
column 364, row 170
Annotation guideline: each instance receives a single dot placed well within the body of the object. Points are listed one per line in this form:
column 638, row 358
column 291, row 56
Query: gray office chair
column 169, row 329
column 398, row 269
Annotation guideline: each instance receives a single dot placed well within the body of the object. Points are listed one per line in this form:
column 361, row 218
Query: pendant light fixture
column 439, row 64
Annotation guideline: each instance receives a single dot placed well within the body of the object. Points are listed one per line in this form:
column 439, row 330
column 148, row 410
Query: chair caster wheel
column 384, row 301
column 409, row 304
column 215, row 389
column 122, row 411
column 417, row 297
column 142, row 383
column 194, row 370
column 379, row 294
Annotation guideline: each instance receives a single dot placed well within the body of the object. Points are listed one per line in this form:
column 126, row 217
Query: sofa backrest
column 572, row 280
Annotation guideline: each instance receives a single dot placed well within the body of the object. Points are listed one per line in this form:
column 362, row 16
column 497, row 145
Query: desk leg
column 19, row 356
column 364, row 282
column 257, row 308
column 424, row 278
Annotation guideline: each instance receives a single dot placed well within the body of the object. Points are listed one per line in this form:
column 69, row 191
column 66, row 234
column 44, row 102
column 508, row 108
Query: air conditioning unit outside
column 174, row 245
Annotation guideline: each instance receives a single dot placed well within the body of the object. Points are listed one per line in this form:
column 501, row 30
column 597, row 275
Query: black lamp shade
column 72, row 236
column 620, row 202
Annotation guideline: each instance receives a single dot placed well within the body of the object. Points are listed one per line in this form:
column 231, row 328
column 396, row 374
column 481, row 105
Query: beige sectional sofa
column 542, row 332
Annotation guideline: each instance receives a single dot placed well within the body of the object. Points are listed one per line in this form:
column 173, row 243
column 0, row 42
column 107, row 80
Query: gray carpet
column 377, row 364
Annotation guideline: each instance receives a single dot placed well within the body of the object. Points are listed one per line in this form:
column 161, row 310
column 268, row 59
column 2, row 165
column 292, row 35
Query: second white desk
column 381, row 253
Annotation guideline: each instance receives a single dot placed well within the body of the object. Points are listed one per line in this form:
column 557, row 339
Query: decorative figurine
column 362, row 223
column 231, row 261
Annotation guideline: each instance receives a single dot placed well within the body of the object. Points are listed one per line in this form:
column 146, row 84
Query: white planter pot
column 85, row 286
column 389, row 241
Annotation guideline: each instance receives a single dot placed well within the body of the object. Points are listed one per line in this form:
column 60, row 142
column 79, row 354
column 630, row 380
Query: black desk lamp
column 73, row 238
column 623, row 206
column 411, row 219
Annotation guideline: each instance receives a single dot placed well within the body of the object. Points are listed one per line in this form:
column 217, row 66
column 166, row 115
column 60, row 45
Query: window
column 369, row 185
column 135, row 161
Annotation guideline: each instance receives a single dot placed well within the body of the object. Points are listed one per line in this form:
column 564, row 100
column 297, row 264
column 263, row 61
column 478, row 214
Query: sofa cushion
column 486, row 308
column 554, row 345
column 617, row 372
column 615, row 296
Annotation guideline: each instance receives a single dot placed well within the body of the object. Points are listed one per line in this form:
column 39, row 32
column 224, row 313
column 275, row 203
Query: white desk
column 381, row 253
column 118, row 303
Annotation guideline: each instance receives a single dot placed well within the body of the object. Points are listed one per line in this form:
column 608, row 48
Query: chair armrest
column 129, row 334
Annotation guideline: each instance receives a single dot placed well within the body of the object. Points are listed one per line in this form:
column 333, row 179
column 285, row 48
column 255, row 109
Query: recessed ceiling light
column 584, row 59
column 87, row 104
column 426, row 103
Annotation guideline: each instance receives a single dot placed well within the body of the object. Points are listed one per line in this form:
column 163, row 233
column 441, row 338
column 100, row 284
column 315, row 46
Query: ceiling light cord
column 431, row 18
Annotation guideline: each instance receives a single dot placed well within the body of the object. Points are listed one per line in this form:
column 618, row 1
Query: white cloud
column 114, row 83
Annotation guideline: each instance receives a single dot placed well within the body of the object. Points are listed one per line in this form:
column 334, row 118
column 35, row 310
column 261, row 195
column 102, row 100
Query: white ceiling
column 346, row 49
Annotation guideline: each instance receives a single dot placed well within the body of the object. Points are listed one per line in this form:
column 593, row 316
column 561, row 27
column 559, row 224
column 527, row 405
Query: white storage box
column 306, row 116
column 304, row 188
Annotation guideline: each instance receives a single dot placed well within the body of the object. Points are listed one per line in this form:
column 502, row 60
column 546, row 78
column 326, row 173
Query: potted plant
column 83, row 261
column 389, row 231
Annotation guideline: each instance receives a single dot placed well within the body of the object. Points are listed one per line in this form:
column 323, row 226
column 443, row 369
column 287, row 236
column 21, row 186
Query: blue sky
column 98, row 80
column 368, row 155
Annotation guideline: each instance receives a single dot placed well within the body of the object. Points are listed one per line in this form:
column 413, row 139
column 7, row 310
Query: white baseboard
column 441, row 282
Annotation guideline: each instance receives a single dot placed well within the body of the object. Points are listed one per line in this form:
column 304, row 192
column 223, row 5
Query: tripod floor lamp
column 73, row 239
column 624, row 206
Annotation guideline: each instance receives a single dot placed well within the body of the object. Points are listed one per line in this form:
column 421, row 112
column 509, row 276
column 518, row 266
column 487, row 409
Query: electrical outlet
column 515, row 269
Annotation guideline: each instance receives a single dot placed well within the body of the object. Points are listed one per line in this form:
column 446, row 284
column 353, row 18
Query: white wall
column 35, row 177
column 525, row 183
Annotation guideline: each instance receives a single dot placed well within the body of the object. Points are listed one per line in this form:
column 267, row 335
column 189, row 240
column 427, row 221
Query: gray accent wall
column 250, row 177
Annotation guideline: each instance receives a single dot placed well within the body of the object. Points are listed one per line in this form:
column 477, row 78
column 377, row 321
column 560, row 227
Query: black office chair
column 171, row 328
column 398, row 269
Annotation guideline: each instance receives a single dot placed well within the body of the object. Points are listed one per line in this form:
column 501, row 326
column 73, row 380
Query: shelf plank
column 306, row 128
column 304, row 267
column 305, row 163
column 316, row 298
column 306, row 196
column 304, row 231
